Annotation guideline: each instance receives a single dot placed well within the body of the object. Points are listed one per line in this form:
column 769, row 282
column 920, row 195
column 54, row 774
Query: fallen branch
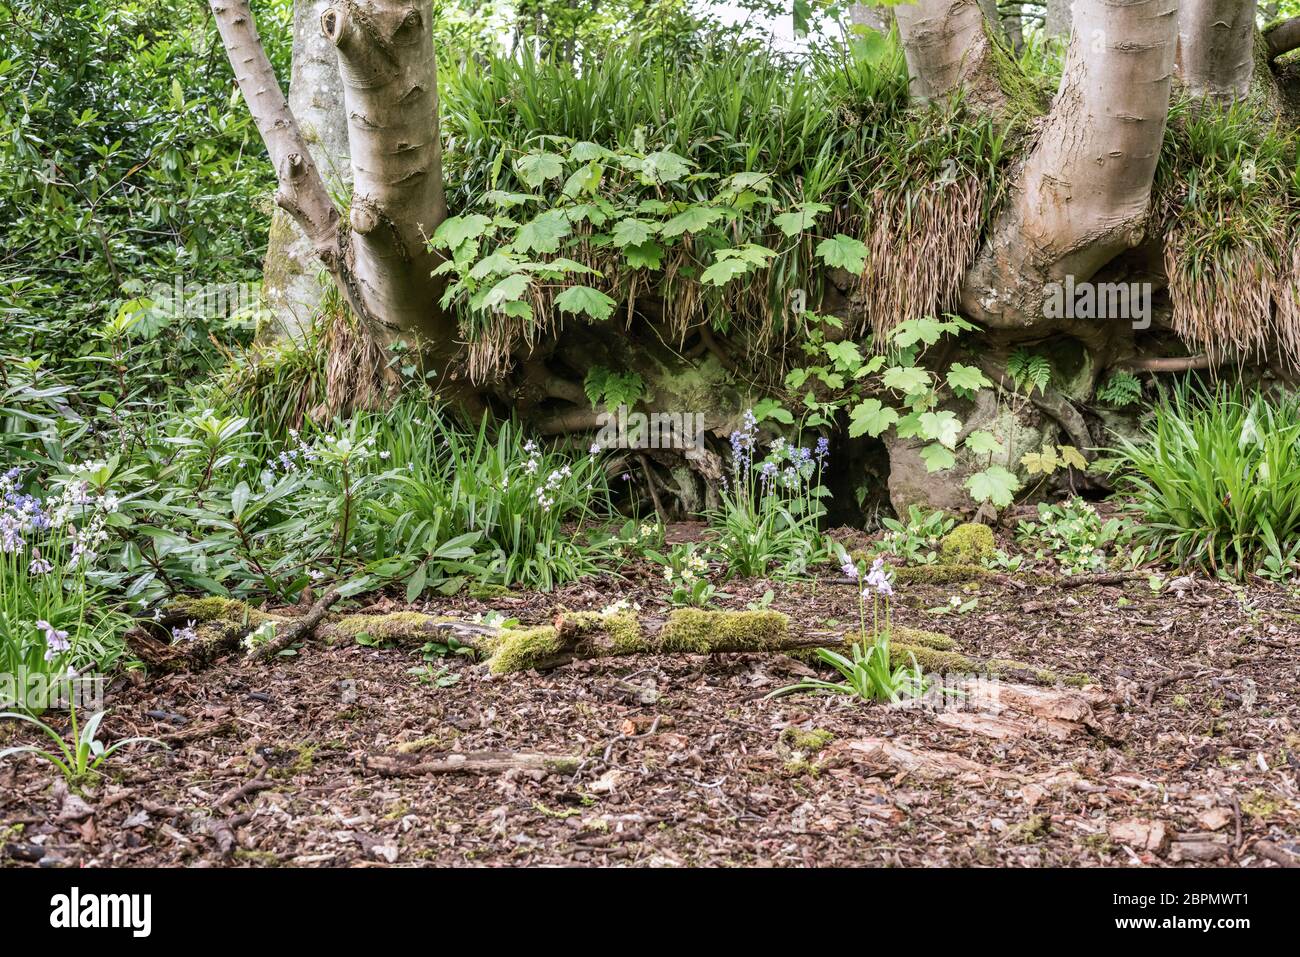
column 1271, row 852
column 298, row 630
column 1168, row 364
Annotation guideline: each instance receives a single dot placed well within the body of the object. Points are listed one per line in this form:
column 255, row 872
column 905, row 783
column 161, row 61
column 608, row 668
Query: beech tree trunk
column 946, row 43
column 1216, row 47
column 292, row 278
column 390, row 92
column 1082, row 195
column 1058, row 18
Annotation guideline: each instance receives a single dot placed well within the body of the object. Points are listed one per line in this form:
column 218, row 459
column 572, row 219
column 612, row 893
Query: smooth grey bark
column 1282, row 37
column 1216, row 47
column 293, row 281
column 1058, row 18
column 947, row 43
column 868, row 15
column 390, row 92
column 1082, row 195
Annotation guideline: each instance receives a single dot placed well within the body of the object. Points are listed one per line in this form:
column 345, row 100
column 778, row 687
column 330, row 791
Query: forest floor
column 1189, row 752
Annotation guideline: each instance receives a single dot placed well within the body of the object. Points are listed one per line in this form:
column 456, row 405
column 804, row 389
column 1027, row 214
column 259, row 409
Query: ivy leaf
column 967, row 378
column 1072, row 458
column 544, row 233
column 995, row 484
column 511, row 288
column 982, row 442
column 456, row 230
column 871, row 418
column 691, row 220
column 537, row 167
column 843, row 252
column 648, row 255
column 937, row 458
column 631, row 232
column 800, row 218
column 593, row 302
column 910, row 380
column 942, row 427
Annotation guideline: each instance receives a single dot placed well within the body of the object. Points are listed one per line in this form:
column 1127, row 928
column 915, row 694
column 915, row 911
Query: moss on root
column 810, row 739
column 967, row 544
column 396, row 625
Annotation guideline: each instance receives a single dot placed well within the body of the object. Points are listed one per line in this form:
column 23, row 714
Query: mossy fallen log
column 224, row 623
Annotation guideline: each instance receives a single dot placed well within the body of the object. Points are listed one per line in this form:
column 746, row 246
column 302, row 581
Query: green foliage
column 1121, row 390
column 915, row 541
column 613, row 389
column 768, row 521
column 1029, row 371
column 127, row 165
column 1216, row 481
column 868, row 672
column 1073, row 533
column 78, row 758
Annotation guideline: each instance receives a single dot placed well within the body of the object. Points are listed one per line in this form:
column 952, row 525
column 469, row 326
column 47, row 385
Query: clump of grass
column 1226, row 198
column 1216, row 483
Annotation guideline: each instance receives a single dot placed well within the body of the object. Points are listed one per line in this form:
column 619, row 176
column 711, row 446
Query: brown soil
column 682, row 760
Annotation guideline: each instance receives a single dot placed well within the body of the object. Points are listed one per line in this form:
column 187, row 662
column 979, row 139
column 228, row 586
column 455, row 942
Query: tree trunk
column 301, row 191
column 869, row 15
column 1082, row 195
column 292, row 278
column 1013, row 26
column 1216, row 47
column 947, row 45
column 390, row 92
column 1058, row 19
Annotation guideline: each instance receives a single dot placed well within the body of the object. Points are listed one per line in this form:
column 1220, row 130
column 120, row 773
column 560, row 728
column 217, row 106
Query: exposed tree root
column 477, row 762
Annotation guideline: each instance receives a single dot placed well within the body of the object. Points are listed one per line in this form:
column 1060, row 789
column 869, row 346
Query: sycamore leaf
column 926, row 330
column 647, row 255
column 772, row 409
column 725, row 270
column 499, row 197
column 510, row 288
column 631, row 232
column 496, row 264
column 664, row 167
column 544, row 233
column 843, row 252
column 967, row 377
column 691, row 220
column 537, row 167
column 942, row 427
column 995, row 485
column 909, row 426
column 455, row 230
column 982, row 442
column 585, row 152
column 593, row 302
column 585, row 179
column 1072, row 458
column 936, row 457
column 910, row 380
column 1044, row 462
column 871, row 418
column 800, row 218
